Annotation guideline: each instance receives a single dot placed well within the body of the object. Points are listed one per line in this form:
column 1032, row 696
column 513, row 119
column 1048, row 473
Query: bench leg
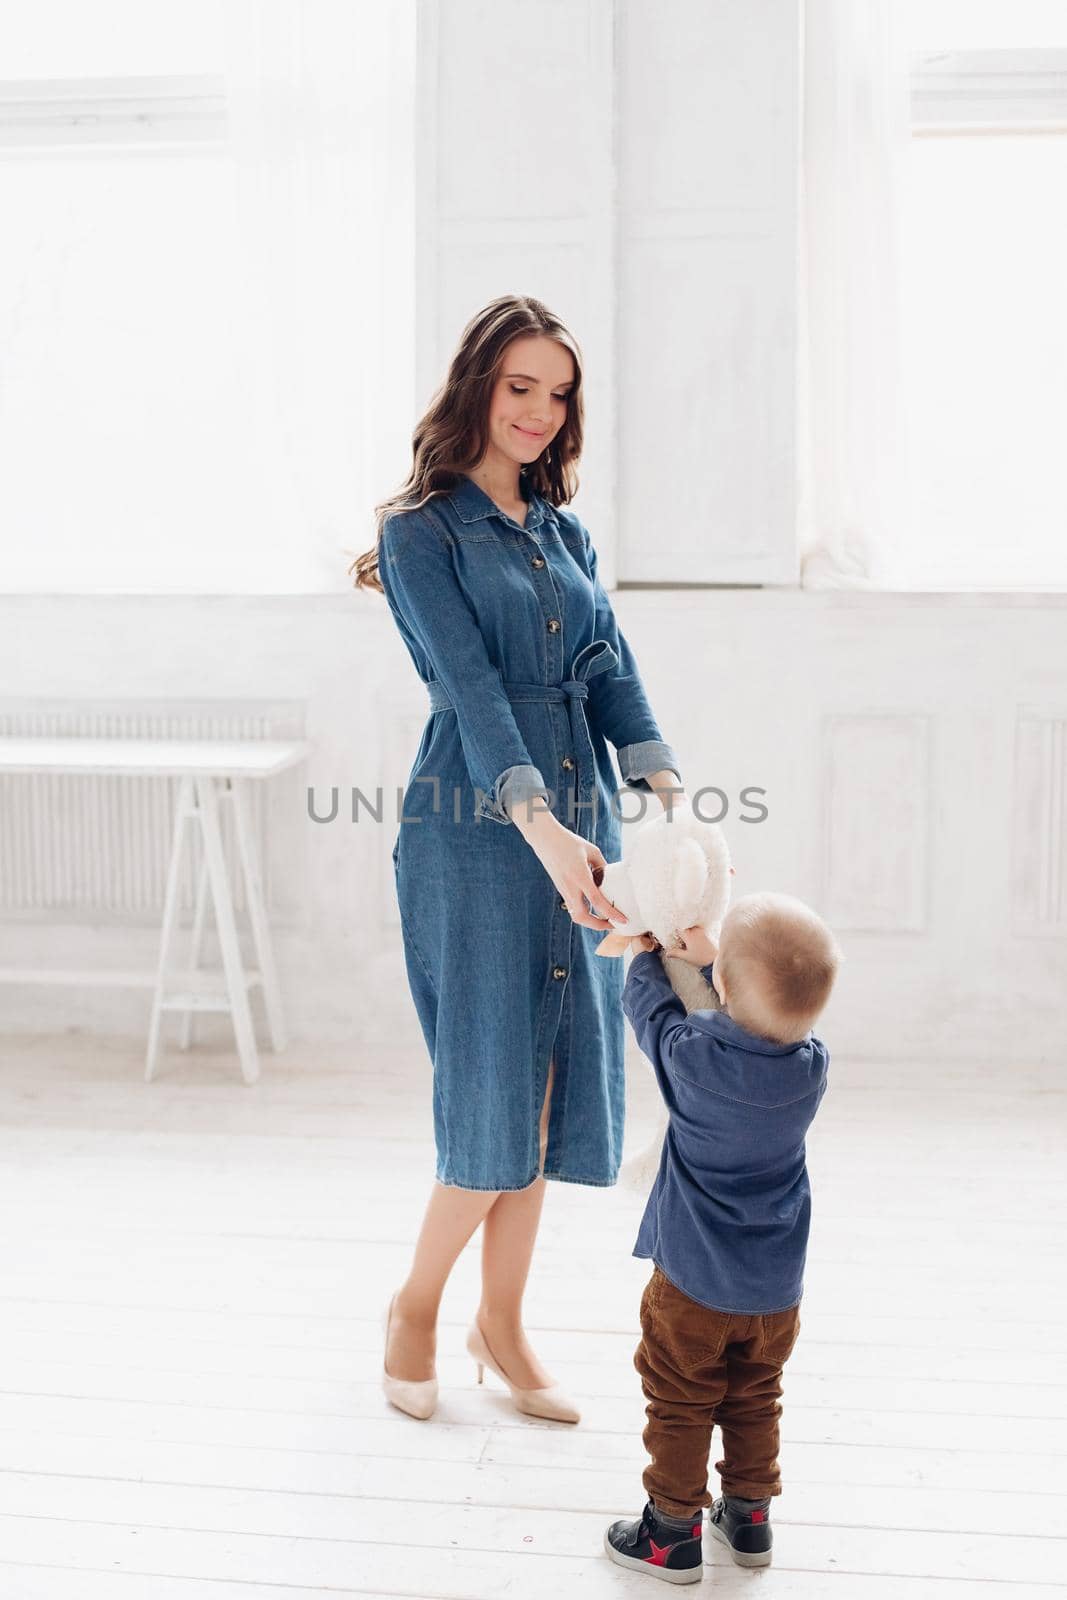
column 184, row 812
column 188, row 1024
column 226, row 923
column 257, row 914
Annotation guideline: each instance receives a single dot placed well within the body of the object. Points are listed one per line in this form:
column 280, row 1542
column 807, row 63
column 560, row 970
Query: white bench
column 212, row 773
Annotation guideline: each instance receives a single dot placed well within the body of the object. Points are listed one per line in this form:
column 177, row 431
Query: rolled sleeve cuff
column 514, row 786
column 637, row 761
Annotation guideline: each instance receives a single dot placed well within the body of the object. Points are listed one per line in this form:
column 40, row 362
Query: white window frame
column 41, row 115
column 988, row 91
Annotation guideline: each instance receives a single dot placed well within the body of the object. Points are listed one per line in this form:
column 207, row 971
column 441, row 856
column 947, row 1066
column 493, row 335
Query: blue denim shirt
column 727, row 1219
column 528, row 678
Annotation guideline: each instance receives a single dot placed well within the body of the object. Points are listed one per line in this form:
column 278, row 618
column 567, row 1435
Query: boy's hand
column 698, row 950
column 644, row 941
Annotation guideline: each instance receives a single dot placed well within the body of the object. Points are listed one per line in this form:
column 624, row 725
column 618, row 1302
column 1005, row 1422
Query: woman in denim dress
column 507, row 816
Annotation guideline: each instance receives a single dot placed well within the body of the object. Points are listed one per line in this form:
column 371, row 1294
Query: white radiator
column 99, row 846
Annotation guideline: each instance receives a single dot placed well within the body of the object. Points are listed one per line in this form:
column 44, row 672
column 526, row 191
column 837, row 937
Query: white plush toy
column 674, row 874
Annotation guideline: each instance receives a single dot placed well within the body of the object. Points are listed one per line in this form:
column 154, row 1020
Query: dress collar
column 472, row 504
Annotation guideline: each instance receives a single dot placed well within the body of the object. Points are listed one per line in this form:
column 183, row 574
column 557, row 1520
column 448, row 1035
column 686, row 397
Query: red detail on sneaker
column 696, row 1530
column 759, row 1516
column 659, row 1555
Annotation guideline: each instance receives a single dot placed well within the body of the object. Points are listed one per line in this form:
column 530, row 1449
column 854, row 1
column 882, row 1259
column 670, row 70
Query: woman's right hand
column 576, row 867
column 697, row 947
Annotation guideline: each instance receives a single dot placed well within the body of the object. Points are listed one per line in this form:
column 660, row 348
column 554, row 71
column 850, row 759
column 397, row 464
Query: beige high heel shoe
column 418, row 1399
column 549, row 1402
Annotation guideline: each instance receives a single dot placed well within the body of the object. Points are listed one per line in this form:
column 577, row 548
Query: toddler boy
column 726, row 1224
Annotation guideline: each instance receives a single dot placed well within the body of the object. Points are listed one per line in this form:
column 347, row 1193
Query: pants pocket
column 781, row 1330
column 648, row 1300
column 691, row 1335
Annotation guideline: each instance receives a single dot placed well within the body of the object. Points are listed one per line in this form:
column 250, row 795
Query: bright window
column 985, row 314
column 125, row 458
column 158, row 422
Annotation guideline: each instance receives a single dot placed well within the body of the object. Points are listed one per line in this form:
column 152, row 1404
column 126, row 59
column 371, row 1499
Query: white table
column 212, row 773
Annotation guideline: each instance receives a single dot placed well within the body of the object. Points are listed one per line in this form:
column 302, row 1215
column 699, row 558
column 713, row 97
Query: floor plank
column 190, row 1346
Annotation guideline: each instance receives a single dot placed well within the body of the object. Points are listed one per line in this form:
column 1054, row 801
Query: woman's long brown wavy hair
column 453, row 434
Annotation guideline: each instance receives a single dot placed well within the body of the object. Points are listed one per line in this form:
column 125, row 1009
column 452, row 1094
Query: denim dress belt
column 599, row 656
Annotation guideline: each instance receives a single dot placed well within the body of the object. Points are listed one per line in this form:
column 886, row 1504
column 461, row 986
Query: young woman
column 507, row 818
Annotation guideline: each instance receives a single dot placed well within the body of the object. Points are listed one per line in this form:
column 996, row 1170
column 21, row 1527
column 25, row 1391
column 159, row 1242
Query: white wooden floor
column 193, row 1274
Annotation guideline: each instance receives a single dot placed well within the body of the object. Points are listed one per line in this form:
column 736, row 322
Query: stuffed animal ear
column 613, row 944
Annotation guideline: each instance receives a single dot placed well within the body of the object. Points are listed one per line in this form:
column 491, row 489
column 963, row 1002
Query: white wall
column 912, row 747
column 912, row 797
column 637, row 168
column 516, row 190
column 708, row 161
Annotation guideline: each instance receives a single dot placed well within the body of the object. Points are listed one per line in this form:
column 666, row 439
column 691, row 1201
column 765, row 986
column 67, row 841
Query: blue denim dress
column 528, row 676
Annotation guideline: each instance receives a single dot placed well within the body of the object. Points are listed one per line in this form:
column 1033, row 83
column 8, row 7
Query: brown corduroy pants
column 701, row 1368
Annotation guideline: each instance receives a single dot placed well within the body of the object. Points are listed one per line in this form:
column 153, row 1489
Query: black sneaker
column 662, row 1550
column 744, row 1526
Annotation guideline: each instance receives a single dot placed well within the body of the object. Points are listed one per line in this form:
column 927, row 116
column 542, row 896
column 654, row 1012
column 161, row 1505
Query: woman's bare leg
column 508, row 1239
column 451, row 1218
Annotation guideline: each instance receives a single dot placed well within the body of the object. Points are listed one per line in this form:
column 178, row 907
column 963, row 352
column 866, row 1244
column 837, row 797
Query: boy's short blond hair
column 777, row 961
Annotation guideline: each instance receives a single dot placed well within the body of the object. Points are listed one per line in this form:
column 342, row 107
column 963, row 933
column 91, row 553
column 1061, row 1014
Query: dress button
column 553, row 625
column 538, row 562
column 559, row 972
column 568, row 763
column 563, row 905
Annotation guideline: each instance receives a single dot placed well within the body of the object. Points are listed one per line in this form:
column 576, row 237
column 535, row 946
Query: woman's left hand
column 668, row 788
column 644, row 941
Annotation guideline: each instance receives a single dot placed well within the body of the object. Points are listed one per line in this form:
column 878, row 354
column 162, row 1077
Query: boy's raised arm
column 658, row 1017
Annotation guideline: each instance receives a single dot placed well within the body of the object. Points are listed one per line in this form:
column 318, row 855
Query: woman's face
column 529, row 401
